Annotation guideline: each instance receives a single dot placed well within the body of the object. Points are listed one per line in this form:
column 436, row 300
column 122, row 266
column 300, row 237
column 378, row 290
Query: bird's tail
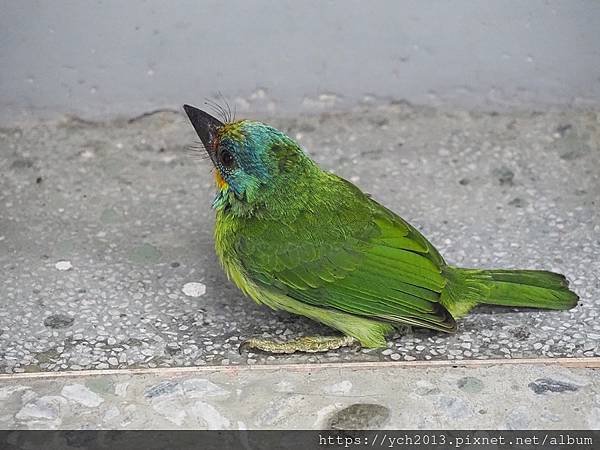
column 525, row 288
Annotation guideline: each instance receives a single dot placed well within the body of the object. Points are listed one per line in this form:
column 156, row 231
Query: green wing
column 361, row 259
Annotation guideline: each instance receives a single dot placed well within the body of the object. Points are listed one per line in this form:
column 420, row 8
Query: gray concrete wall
column 101, row 58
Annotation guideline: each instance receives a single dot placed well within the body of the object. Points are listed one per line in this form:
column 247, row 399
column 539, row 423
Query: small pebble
column 194, row 289
column 63, row 265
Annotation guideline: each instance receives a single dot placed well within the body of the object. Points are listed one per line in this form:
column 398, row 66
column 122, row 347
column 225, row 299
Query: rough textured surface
column 315, row 398
column 104, row 226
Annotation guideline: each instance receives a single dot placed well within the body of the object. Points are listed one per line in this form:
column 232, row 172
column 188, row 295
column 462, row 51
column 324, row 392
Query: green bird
column 296, row 238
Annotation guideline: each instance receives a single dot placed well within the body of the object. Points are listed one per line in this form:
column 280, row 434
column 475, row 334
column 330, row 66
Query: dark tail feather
column 524, row 288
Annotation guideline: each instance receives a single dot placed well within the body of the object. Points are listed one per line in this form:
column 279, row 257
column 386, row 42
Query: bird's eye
column 226, row 159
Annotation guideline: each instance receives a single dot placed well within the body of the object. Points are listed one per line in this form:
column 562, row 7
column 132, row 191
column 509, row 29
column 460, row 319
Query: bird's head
column 251, row 159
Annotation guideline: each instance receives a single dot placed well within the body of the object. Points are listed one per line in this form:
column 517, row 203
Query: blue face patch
column 251, row 146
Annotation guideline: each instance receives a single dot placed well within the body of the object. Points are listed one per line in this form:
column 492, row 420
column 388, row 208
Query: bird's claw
column 305, row 344
column 245, row 345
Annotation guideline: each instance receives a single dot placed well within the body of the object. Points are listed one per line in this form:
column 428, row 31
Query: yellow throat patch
column 221, row 183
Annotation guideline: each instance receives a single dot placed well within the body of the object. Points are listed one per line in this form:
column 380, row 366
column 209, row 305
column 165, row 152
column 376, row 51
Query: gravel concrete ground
column 106, row 249
column 383, row 396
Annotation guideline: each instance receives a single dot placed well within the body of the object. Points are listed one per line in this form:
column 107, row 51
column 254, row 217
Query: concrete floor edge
column 559, row 394
column 581, row 363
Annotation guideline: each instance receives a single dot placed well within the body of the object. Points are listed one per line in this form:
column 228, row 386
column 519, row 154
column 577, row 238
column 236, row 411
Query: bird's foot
column 308, row 344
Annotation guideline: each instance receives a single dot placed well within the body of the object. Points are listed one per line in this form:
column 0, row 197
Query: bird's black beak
column 206, row 126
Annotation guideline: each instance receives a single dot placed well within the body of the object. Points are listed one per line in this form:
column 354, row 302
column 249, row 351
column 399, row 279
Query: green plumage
column 297, row 238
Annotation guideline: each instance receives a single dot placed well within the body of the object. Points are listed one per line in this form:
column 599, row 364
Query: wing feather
column 369, row 263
